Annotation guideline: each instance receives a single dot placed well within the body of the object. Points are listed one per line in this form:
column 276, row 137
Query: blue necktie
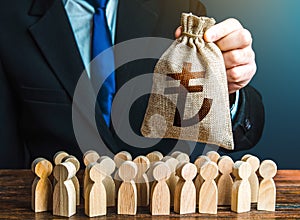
column 102, row 40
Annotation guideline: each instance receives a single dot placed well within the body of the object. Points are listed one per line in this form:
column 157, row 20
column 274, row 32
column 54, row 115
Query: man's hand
column 235, row 42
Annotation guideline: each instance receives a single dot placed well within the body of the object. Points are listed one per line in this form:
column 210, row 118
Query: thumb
column 178, row 32
column 210, row 35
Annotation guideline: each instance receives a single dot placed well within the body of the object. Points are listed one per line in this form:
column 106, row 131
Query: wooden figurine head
column 200, row 161
column 59, row 156
column 90, row 156
column 213, row 156
column 225, row 165
column 127, row 171
column 268, row 169
column 209, row 171
column 121, row 157
column 242, row 170
column 187, row 171
column 41, row 167
column 154, row 156
column 252, row 160
column 161, row 171
column 107, row 165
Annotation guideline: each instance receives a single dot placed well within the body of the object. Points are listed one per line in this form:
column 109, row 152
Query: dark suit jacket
column 40, row 65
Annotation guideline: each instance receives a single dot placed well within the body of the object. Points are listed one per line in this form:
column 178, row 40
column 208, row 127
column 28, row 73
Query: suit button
column 247, row 124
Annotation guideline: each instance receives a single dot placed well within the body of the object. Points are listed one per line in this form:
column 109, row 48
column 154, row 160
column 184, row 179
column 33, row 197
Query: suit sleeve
column 249, row 121
column 11, row 149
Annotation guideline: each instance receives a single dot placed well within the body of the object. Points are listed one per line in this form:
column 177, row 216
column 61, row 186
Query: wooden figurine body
column 253, row 179
column 267, row 187
column 95, row 200
column 75, row 181
column 208, row 195
column 142, row 181
column 160, row 193
column 108, row 166
column 241, row 190
column 42, row 188
column 127, row 194
column 198, row 181
column 172, row 163
column 64, row 195
column 185, row 191
column 153, row 157
column 225, row 181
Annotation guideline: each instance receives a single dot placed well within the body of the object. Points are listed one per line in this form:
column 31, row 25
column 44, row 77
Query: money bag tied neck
column 189, row 98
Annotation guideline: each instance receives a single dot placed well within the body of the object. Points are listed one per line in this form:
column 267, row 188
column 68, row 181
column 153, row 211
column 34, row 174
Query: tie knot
column 98, row 4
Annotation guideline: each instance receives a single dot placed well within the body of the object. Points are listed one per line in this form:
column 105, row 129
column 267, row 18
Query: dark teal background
column 275, row 28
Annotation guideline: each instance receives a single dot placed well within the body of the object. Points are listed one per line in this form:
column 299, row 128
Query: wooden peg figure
column 225, row 181
column 267, row 188
column 241, row 190
column 154, row 156
column 160, row 193
column 41, row 188
column 108, row 167
column 75, row 181
column 95, row 200
column 198, row 181
column 208, row 195
column 119, row 159
column 127, row 194
column 141, row 180
column 89, row 157
column 213, row 156
column 180, row 156
column 64, row 195
column 57, row 159
column 185, row 191
column 172, row 163
column 253, row 179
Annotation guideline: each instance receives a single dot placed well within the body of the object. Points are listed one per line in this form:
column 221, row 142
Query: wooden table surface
column 15, row 200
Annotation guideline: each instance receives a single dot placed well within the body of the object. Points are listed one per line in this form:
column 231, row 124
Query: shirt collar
column 84, row 5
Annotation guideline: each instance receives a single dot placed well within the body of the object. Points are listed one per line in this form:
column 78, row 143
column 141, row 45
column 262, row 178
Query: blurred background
column 275, row 28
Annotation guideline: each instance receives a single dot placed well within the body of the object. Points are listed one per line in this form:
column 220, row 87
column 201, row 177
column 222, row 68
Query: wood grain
column 15, row 200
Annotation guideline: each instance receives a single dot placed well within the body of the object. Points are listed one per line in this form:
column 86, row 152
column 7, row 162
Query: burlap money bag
column 189, row 98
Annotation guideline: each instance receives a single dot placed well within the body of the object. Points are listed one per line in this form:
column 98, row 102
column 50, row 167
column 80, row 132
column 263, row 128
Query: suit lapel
column 54, row 36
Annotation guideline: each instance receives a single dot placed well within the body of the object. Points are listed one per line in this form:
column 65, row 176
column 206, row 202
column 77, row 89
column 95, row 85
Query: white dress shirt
column 80, row 14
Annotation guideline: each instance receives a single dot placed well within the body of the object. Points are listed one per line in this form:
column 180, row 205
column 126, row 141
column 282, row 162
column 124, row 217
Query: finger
column 237, row 39
column 222, row 29
column 178, row 32
column 241, row 73
column 238, row 57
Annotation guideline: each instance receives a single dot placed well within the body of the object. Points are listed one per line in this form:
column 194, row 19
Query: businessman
column 45, row 46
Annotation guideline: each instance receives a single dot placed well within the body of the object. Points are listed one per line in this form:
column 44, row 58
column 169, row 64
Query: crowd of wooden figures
column 153, row 181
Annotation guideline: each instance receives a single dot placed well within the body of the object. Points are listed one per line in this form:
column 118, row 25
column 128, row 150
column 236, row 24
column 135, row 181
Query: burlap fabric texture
column 189, row 98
